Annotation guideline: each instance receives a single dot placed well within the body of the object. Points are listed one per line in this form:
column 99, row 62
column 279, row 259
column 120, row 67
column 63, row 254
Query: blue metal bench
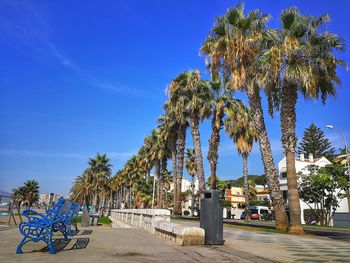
column 40, row 227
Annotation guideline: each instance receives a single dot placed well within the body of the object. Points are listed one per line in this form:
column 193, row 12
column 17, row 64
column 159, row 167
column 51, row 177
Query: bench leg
column 20, row 245
column 49, row 243
column 75, row 226
column 69, row 229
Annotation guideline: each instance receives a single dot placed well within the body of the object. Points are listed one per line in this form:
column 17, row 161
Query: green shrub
column 226, row 203
column 104, row 220
column 308, row 213
column 101, row 220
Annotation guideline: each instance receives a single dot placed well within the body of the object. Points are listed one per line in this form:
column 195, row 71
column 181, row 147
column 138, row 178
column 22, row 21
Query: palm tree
column 178, row 105
column 234, row 44
column 239, row 126
column 191, row 166
column 31, row 190
column 169, row 120
column 18, row 195
column 298, row 58
column 221, row 98
column 197, row 97
column 167, row 181
column 101, row 171
column 82, row 192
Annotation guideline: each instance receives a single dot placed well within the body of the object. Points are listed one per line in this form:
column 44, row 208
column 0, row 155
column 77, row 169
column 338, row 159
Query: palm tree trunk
column 110, row 202
column 94, row 204
column 159, row 181
column 174, row 167
column 148, row 172
column 194, row 122
column 101, row 205
column 180, row 166
column 269, row 165
column 214, row 142
column 161, row 185
column 288, row 123
column 246, row 188
column 192, row 195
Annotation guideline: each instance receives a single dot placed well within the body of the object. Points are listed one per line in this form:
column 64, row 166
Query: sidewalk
column 105, row 244
column 276, row 247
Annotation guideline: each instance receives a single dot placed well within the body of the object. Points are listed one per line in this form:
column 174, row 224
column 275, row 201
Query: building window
column 284, row 175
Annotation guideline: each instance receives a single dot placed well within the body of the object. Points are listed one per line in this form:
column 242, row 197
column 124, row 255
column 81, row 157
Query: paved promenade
column 104, row 244
column 259, row 246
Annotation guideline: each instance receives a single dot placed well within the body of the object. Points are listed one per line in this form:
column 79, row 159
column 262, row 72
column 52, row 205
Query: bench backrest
column 63, row 210
column 54, row 211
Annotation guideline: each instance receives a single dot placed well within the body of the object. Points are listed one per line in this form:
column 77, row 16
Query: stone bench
column 181, row 234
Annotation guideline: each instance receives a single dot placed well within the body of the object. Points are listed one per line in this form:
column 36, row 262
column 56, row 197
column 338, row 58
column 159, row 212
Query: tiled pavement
column 125, row 245
column 288, row 248
column 259, row 246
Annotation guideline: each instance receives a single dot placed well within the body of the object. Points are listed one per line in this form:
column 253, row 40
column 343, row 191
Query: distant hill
column 4, row 199
column 258, row 179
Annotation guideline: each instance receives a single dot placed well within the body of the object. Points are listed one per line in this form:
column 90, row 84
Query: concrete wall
column 157, row 221
column 141, row 218
column 341, row 219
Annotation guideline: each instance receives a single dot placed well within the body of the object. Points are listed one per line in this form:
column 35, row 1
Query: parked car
column 256, row 212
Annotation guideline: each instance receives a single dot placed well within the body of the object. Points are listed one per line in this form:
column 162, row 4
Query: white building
column 185, row 186
column 47, row 198
column 301, row 164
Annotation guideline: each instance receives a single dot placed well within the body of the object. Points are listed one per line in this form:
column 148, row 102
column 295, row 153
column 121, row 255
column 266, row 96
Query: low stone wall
column 157, row 221
column 181, row 234
column 141, row 218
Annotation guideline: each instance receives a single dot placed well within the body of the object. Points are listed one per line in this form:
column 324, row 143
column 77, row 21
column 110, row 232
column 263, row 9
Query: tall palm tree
column 197, row 98
column 239, row 126
column 221, row 98
column 169, row 120
column 101, row 171
column 191, row 167
column 298, row 58
column 233, row 45
column 178, row 105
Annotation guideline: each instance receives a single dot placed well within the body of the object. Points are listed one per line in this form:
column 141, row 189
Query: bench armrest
column 35, row 216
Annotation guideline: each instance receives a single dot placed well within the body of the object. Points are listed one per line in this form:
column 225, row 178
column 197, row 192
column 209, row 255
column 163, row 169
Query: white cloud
column 34, row 154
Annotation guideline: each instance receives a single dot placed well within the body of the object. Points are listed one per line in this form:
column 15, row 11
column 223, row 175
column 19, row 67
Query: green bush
column 226, row 203
column 104, row 220
column 312, row 213
column 101, row 220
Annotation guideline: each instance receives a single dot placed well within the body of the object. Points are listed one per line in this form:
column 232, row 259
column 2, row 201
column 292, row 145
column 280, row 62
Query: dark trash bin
column 94, row 219
column 211, row 216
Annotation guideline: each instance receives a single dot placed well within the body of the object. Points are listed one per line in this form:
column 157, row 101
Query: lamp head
column 329, row 126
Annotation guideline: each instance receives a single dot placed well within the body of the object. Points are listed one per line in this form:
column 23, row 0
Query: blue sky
column 77, row 78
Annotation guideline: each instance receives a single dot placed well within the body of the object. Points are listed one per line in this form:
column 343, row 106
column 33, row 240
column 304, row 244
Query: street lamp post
column 346, row 156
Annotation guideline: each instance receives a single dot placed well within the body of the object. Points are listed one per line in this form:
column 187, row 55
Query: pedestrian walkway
column 287, row 248
column 105, row 244
column 274, row 247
